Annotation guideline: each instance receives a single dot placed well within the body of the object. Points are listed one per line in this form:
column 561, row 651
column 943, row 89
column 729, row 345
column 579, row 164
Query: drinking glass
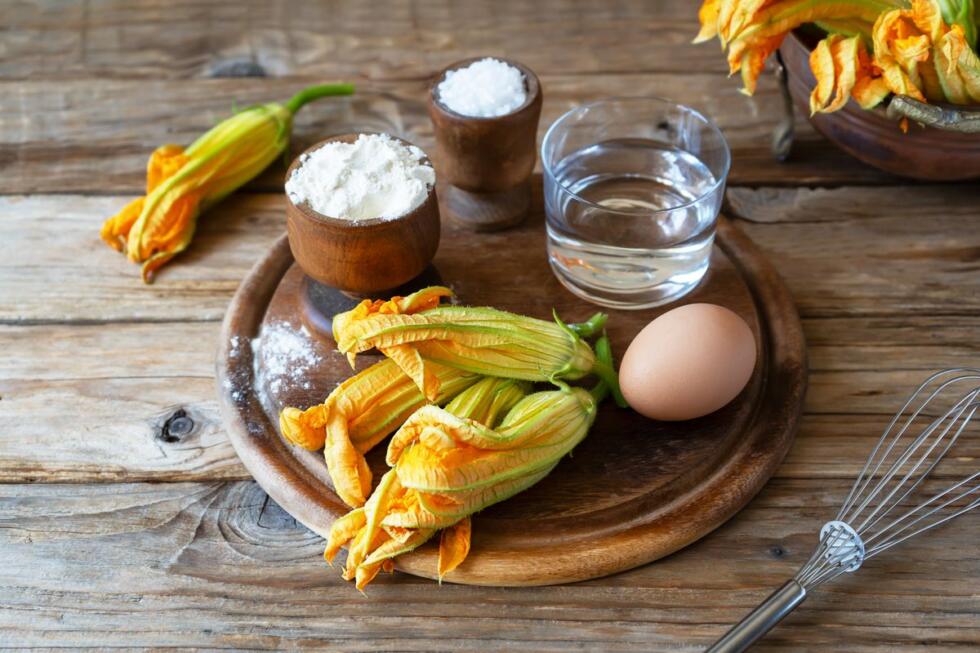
column 632, row 190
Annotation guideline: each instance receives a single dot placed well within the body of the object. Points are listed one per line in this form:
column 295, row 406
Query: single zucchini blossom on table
column 922, row 49
column 491, row 442
column 181, row 183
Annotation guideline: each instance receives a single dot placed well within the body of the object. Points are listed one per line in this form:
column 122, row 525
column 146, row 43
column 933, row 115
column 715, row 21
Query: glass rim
column 622, row 99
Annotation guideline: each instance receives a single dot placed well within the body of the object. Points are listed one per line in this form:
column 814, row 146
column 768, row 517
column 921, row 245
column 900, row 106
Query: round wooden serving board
column 635, row 490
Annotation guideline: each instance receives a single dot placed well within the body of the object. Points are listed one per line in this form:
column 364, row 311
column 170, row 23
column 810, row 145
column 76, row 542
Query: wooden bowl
column 485, row 155
column 872, row 137
column 362, row 256
column 487, row 162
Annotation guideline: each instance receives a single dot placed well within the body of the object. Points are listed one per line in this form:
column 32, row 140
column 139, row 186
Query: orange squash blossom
column 923, row 49
column 491, row 440
column 181, row 183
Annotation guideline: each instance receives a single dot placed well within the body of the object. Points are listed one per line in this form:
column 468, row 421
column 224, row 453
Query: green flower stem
column 590, row 327
column 608, row 379
column 315, row 93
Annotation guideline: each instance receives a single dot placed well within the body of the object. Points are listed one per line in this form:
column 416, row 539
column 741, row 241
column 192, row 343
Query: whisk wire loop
column 890, row 440
column 886, row 504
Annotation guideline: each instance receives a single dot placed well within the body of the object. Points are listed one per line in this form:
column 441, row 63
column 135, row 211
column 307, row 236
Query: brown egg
column 688, row 362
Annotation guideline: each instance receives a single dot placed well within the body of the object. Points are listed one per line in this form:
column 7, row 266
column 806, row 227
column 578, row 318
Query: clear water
column 643, row 235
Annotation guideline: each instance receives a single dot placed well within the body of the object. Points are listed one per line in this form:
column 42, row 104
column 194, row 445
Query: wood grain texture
column 398, row 40
column 845, row 252
column 95, row 365
column 487, row 211
column 123, row 382
column 857, row 252
column 96, row 135
column 221, row 566
column 54, row 268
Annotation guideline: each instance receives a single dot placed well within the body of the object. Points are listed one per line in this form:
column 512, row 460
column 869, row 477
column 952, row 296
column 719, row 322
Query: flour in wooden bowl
column 376, row 176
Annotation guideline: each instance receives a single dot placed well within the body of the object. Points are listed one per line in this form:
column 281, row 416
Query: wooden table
column 126, row 519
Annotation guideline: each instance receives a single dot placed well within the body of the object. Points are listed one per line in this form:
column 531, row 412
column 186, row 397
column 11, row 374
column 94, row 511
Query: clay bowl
column 486, row 155
column 364, row 256
column 924, row 153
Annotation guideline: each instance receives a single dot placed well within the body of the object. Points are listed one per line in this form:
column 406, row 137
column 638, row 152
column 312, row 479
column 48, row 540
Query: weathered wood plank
column 864, row 252
column 54, row 268
column 164, row 39
column 127, row 377
column 137, row 362
column 881, row 259
column 95, row 363
column 219, row 565
column 94, row 136
column 170, row 349
column 85, row 403
column 903, row 341
column 920, row 207
column 92, row 403
column 113, row 429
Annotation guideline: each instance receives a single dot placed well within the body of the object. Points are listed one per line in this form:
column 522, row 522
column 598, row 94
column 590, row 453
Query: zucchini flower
column 181, row 183
column 369, row 406
column 925, row 58
column 752, row 30
column 447, row 466
column 923, row 49
column 385, row 527
column 843, row 69
column 416, row 331
column 358, row 414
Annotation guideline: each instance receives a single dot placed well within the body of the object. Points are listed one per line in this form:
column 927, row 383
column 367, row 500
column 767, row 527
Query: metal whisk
column 885, row 506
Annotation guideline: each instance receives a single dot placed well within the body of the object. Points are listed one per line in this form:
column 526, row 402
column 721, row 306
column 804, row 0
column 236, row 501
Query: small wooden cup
column 362, row 256
column 487, row 162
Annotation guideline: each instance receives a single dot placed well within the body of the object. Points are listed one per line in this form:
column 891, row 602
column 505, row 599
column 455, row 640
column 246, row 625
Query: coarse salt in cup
column 486, row 159
column 486, row 88
column 632, row 190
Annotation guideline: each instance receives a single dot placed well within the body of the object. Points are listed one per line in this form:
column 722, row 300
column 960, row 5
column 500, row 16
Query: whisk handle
column 761, row 620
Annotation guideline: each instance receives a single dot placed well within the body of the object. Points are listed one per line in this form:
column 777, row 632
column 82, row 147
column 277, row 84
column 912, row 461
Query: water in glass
column 596, row 246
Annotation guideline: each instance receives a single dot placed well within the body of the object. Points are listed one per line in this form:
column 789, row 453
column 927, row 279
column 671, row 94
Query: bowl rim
column 349, row 137
column 720, row 181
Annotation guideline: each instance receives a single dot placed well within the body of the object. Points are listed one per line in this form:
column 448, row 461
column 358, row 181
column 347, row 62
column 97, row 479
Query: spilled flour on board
column 235, row 384
column 284, row 355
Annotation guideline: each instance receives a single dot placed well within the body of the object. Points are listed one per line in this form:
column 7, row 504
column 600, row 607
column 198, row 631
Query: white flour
column 485, row 89
column 286, row 356
column 234, row 384
column 374, row 177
